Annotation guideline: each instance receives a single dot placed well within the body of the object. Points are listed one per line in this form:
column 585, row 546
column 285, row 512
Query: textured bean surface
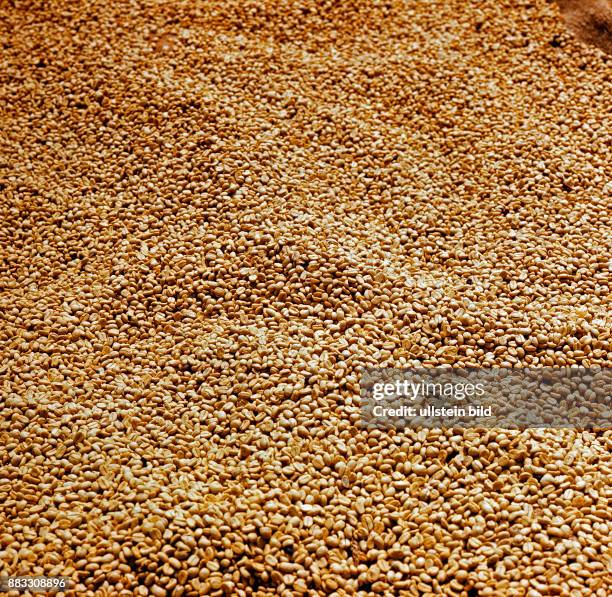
column 213, row 214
